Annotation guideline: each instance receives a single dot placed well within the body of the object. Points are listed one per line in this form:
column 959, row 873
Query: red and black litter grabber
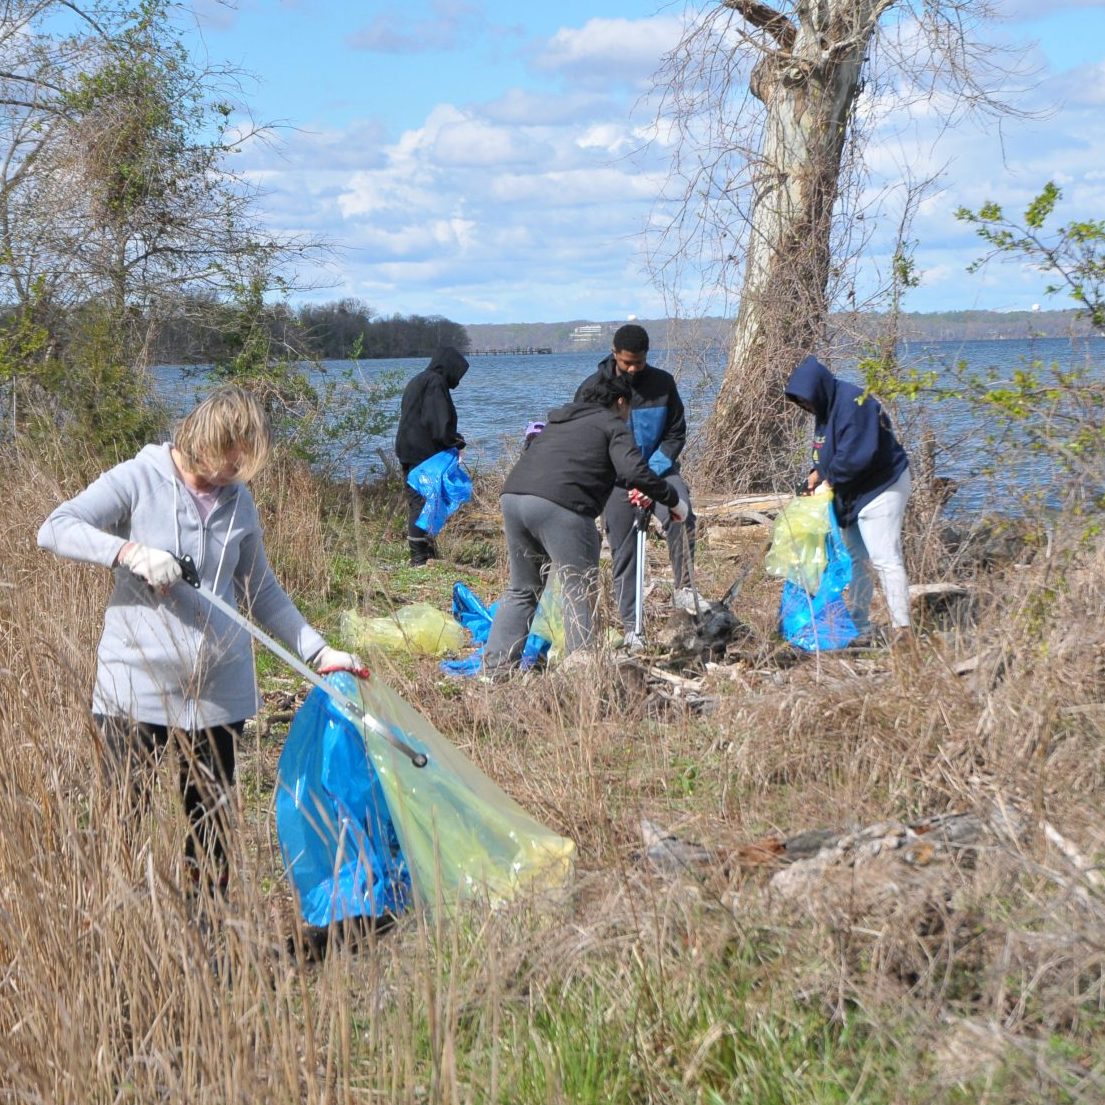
column 192, row 577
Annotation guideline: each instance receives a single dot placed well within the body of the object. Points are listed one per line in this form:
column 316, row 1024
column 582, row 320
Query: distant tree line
column 845, row 329
column 350, row 327
column 345, row 329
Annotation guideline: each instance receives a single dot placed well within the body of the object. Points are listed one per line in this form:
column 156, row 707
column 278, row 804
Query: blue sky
column 485, row 159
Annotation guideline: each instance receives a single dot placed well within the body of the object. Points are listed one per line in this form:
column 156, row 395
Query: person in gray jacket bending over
column 550, row 502
column 659, row 425
column 170, row 667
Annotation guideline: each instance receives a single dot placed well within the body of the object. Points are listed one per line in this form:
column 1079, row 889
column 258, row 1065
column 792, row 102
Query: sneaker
column 683, row 598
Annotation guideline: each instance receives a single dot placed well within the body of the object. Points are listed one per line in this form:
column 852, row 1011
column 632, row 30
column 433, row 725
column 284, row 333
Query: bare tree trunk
column 808, row 83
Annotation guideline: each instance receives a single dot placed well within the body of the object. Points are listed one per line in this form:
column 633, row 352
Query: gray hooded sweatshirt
column 175, row 660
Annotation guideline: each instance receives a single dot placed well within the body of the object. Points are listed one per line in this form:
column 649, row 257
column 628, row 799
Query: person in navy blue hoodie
column 659, row 426
column 858, row 458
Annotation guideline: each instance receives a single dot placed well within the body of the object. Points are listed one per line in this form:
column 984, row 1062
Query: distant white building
column 586, row 335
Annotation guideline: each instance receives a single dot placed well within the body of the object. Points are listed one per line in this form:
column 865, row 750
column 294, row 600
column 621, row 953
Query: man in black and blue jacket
column 659, row 425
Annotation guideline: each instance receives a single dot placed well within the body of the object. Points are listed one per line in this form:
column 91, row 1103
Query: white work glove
column 332, row 659
column 160, row 569
column 680, row 511
column 823, row 488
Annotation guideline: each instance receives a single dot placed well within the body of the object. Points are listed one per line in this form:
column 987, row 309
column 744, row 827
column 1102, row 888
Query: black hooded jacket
column 427, row 417
column 576, row 458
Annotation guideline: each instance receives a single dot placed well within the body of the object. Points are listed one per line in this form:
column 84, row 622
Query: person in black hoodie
column 550, row 502
column 659, row 428
column 427, row 425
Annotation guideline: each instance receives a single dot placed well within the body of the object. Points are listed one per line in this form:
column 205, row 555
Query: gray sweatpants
column 539, row 532
column 618, row 518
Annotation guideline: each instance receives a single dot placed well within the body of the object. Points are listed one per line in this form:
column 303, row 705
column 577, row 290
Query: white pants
column 874, row 540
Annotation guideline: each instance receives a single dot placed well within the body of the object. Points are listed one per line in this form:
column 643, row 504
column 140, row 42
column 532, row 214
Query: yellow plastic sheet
column 798, row 551
column 461, row 835
column 418, row 628
column 548, row 622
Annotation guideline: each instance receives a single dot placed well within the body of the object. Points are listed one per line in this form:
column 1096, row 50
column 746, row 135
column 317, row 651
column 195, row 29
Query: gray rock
column 811, row 842
column 671, row 856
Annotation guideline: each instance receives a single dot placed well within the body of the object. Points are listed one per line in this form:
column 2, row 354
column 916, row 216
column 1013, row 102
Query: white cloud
column 1007, row 162
column 1083, row 86
column 473, row 142
column 611, row 137
column 528, row 108
column 375, row 191
column 475, row 216
column 935, row 275
column 532, row 205
column 358, row 146
column 434, row 238
column 605, row 50
column 602, row 184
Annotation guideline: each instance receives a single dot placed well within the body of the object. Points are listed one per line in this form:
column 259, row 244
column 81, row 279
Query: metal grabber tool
column 192, row 577
column 641, row 518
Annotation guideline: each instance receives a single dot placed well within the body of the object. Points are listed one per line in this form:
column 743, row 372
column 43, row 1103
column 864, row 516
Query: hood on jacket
column 811, row 382
column 571, row 411
column 450, row 363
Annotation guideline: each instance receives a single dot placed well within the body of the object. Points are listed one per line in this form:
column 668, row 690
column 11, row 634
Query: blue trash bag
column 336, row 833
column 470, row 611
column 533, row 652
column 445, row 486
column 477, row 619
column 821, row 622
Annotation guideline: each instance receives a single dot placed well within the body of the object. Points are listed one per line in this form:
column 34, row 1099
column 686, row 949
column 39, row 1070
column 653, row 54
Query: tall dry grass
column 117, row 985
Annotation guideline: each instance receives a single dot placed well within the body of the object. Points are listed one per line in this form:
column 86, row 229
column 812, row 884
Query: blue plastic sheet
column 336, row 833
column 477, row 619
column 821, row 622
column 445, row 486
column 470, row 611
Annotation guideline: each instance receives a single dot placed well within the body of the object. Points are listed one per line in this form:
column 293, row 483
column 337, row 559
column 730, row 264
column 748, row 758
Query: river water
column 500, row 394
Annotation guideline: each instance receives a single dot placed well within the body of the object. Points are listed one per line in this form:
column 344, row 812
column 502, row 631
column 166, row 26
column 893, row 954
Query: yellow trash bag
column 548, row 622
column 418, row 628
column 798, row 549
column 461, row 835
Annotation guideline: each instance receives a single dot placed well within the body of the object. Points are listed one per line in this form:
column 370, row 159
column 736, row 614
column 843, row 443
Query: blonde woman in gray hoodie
column 170, row 667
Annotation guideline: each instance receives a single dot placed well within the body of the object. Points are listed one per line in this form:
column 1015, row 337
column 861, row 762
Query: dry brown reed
column 291, row 516
column 118, row 984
